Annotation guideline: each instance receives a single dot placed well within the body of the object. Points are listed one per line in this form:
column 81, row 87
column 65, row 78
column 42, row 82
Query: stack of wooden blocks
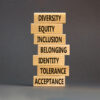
column 50, row 61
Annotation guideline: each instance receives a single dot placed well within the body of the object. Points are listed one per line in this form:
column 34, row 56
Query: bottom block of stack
column 49, row 81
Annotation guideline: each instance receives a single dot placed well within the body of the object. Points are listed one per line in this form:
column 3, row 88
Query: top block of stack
column 54, row 18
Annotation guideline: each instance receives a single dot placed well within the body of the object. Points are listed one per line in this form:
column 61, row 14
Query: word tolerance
column 53, row 70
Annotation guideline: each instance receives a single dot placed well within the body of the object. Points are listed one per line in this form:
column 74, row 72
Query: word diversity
column 50, row 61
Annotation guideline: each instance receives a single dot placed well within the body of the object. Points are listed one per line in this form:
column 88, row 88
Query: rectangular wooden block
column 46, row 28
column 46, row 81
column 50, row 17
column 54, row 49
column 53, row 70
column 48, row 60
column 49, row 38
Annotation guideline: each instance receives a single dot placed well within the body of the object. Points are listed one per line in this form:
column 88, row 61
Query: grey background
column 83, row 34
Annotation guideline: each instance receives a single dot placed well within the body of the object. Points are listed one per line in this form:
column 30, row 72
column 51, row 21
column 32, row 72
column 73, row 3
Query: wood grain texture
column 49, row 39
column 49, row 81
column 48, row 60
column 53, row 70
column 46, row 28
column 48, row 16
column 54, row 49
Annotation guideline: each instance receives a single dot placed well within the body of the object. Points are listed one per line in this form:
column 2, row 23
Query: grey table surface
column 13, row 92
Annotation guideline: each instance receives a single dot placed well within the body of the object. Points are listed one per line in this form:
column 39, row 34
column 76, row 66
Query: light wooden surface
column 50, row 17
column 49, row 39
column 45, row 81
column 48, row 60
column 46, row 28
column 54, row 49
column 53, row 70
column 70, row 92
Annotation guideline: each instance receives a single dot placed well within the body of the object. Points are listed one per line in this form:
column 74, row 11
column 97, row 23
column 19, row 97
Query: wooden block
column 48, row 60
column 49, row 38
column 54, row 49
column 46, row 81
column 50, row 17
column 46, row 28
column 53, row 70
